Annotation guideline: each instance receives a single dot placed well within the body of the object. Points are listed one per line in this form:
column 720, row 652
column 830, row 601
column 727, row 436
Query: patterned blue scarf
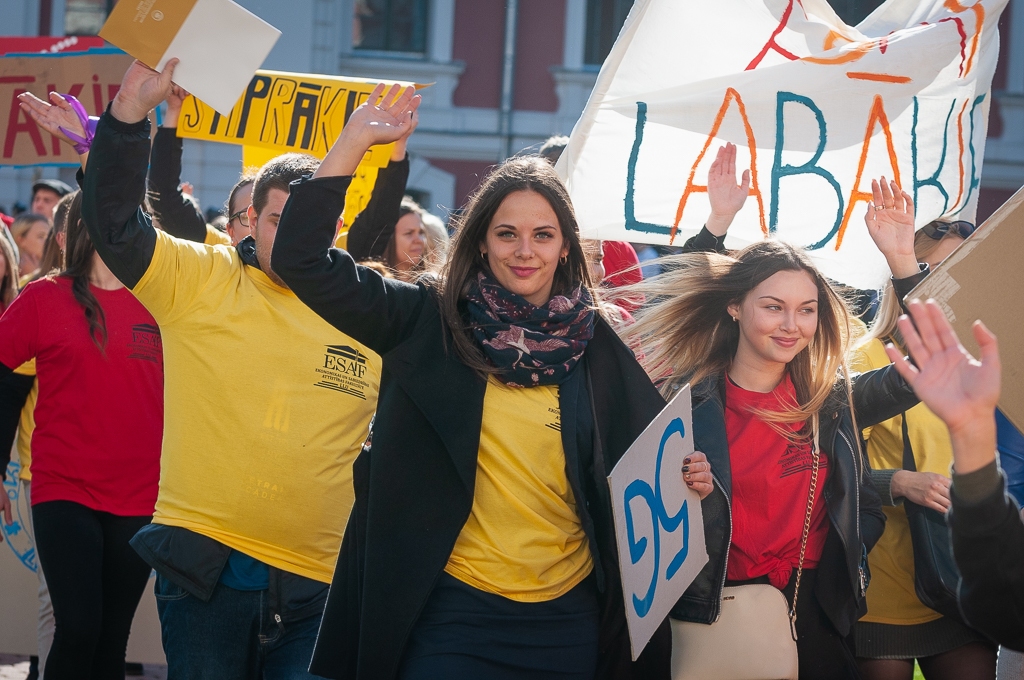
column 530, row 345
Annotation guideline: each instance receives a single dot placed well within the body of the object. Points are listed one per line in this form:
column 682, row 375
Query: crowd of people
column 379, row 451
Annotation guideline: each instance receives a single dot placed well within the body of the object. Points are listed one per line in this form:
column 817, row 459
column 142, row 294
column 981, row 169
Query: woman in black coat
column 481, row 542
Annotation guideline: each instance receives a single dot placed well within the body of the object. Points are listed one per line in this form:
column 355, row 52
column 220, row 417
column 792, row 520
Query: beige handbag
column 754, row 638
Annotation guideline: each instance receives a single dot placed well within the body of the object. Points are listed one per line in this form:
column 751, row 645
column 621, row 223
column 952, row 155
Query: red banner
column 93, row 78
column 48, row 44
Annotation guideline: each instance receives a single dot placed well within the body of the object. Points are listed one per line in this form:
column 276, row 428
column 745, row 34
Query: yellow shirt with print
column 891, row 596
column 523, row 539
column 265, row 408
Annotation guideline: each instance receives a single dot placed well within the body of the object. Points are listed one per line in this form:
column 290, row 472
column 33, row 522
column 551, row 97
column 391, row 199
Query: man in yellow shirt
column 255, row 483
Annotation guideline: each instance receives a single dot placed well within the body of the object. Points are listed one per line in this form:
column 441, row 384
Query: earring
column 736, row 319
column 564, row 259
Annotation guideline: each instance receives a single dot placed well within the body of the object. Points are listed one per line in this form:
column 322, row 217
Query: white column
column 575, row 34
column 345, row 26
column 57, row 11
column 442, row 30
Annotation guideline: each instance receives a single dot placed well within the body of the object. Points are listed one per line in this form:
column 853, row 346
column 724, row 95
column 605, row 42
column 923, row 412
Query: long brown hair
column 9, row 282
column 78, row 266
column 686, row 334
column 53, row 255
column 529, row 173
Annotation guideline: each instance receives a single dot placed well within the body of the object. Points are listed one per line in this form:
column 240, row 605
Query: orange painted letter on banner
column 730, row 96
column 877, row 117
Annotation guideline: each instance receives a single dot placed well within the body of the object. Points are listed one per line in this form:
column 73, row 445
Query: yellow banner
column 286, row 112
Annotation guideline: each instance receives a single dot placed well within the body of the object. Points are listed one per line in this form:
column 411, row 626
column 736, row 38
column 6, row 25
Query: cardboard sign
column 983, row 279
column 19, row 587
column 659, row 526
column 196, row 32
column 93, row 77
column 816, row 108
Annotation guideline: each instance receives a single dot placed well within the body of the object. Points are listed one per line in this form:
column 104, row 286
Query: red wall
column 990, row 200
column 995, row 116
column 468, row 175
column 540, row 35
column 479, row 41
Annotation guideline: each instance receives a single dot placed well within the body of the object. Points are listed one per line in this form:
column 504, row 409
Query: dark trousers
column 467, row 633
column 96, row 580
column 234, row 636
column 823, row 653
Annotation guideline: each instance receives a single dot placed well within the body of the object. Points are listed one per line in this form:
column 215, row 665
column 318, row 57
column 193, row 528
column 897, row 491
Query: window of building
column 854, row 11
column 86, row 17
column 390, row 25
column 604, row 19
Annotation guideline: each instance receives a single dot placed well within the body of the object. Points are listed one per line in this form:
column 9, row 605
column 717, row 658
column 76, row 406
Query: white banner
column 816, row 108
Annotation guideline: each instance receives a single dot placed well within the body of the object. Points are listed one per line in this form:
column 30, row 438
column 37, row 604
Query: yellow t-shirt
column 265, row 408
column 523, row 539
column 27, row 424
column 216, row 237
column 891, row 597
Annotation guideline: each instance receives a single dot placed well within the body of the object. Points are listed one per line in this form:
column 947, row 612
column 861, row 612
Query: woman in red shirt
column 762, row 337
column 95, row 449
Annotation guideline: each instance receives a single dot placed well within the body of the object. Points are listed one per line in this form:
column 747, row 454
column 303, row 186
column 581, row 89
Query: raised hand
column 382, row 119
column 953, row 384
column 52, row 115
column 175, row 98
column 726, row 196
column 142, row 89
column 385, row 117
column 400, row 146
column 890, row 222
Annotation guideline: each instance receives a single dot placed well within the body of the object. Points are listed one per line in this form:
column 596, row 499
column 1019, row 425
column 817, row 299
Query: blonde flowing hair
column 686, row 333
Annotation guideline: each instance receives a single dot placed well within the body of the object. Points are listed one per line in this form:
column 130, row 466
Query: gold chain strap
column 815, row 459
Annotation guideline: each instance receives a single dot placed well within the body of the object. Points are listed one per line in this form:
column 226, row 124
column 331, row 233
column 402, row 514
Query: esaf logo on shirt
column 146, row 343
column 344, row 370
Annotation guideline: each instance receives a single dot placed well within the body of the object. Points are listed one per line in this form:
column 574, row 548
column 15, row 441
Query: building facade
column 506, row 75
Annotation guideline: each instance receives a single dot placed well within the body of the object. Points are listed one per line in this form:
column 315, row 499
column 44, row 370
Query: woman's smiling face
column 523, row 246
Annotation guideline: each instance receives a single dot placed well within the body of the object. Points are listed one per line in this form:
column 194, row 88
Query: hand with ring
column 890, row 222
column 697, row 474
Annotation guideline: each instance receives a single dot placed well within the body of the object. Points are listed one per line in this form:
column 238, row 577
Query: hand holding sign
column 142, row 89
column 659, row 526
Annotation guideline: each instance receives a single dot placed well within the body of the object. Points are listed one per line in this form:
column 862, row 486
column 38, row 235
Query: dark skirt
column 467, row 633
column 918, row 641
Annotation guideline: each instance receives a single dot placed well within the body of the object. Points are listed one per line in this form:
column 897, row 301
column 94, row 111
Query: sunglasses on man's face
column 939, row 230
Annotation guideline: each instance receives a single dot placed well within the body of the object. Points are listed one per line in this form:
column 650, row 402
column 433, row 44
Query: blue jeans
column 232, row 637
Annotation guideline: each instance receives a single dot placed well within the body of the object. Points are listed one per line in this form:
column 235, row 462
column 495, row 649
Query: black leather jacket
column 854, row 508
